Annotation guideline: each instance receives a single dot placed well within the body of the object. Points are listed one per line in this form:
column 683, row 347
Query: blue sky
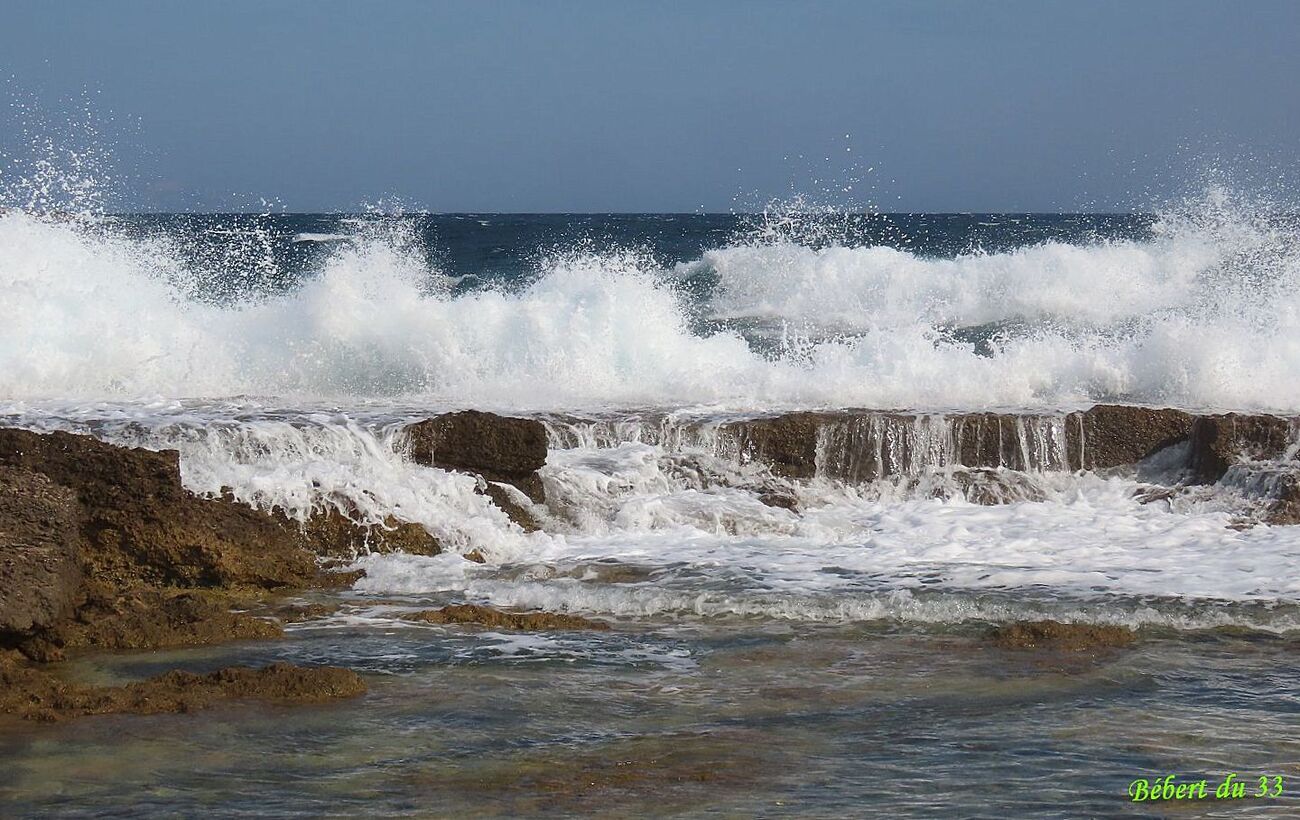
column 665, row 106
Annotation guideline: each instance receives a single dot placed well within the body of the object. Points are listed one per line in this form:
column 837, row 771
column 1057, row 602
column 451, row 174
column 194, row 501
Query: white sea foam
column 1206, row 314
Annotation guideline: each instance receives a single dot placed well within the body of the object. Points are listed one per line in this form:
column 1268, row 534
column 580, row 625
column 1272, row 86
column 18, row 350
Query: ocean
column 822, row 655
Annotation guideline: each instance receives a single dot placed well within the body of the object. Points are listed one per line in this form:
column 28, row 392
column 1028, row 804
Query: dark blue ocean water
column 494, row 249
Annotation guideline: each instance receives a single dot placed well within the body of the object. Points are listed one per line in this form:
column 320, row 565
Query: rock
column 1285, row 507
column 149, row 618
column 139, row 524
column 39, row 570
column 1058, row 636
column 101, row 546
column 1113, row 436
column 993, row 487
column 497, row 619
column 779, row 498
column 787, row 444
column 1218, row 442
column 298, row 613
column 860, row 446
column 499, row 448
column 517, row 512
column 34, row 694
column 332, row 534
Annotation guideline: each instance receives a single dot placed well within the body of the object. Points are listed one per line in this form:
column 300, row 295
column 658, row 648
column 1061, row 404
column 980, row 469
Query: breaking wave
column 1203, row 313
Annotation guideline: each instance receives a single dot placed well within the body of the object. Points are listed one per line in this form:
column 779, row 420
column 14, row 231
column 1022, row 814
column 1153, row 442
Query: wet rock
column 498, row 619
column 499, row 448
column 139, row 525
column 1057, row 636
column 779, row 498
column 332, row 534
column 865, row 446
column 993, row 487
column 35, row 694
column 149, row 618
column 1150, row 494
column 1218, row 442
column 1285, row 507
column 787, row 444
column 1113, row 436
column 299, row 613
column 39, row 570
column 512, row 507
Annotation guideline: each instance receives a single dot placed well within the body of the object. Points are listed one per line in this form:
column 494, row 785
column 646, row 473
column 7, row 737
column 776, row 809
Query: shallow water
column 687, row 717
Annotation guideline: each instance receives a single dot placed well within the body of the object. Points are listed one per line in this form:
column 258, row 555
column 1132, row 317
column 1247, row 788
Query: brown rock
column 499, row 448
column 497, row 619
column 1113, row 436
column 1218, row 442
column 1285, row 508
column 332, row 534
column 517, row 512
column 138, row 524
column 993, row 487
column 858, row 446
column 787, row 444
column 148, row 618
column 34, row 694
column 298, row 613
column 39, row 570
column 1058, row 636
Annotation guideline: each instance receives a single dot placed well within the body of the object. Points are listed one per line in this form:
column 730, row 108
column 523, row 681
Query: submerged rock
column 32, row 693
column 498, row 619
column 1058, row 636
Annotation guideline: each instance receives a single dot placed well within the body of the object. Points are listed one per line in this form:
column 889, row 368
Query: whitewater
column 1202, row 312
column 282, row 356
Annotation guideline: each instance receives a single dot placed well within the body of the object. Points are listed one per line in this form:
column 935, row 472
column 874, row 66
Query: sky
column 537, row 106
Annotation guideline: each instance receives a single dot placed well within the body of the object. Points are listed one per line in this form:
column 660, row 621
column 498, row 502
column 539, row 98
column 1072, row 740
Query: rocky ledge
column 1257, row 454
column 102, row 548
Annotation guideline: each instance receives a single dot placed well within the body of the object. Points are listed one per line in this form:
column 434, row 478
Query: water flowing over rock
column 987, row 458
column 332, row 534
column 1054, row 635
column 499, row 619
column 34, row 694
column 1218, row 442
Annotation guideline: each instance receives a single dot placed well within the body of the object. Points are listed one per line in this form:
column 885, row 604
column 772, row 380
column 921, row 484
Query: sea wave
column 1205, row 314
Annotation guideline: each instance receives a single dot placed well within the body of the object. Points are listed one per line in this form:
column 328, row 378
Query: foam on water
column 1206, row 313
